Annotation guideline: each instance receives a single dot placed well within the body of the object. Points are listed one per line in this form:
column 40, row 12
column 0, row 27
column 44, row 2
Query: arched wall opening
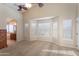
column 7, row 13
column 11, row 28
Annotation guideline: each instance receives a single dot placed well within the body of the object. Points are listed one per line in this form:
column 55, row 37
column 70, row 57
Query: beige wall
column 50, row 10
column 7, row 12
column 64, row 11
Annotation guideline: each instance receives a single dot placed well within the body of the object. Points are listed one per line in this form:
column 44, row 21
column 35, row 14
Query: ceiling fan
column 20, row 7
column 26, row 7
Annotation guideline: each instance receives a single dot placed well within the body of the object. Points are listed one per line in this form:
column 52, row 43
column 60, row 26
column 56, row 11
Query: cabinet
column 13, row 36
column 3, row 38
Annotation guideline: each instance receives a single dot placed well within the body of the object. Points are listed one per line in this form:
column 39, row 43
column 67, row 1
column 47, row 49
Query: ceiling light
column 28, row 5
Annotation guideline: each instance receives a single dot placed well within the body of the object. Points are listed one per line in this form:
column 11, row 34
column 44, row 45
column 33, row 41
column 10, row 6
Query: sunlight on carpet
column 65, row 52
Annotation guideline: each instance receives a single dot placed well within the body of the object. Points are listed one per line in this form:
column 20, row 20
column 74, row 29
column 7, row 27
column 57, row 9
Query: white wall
column 8, row 11
column 77, row 25
column 64, row 11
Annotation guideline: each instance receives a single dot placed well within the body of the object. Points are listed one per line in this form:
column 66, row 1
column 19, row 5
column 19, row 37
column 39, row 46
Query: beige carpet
column 11, row 42
column 38, row 48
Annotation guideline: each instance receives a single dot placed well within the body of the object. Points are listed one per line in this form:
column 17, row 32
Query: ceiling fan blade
column 25, row 8
column 20, row 8
column 40, row 4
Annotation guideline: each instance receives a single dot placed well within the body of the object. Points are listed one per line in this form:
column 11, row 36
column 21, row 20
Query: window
column 55, row 30
column 68, row 29
column 40, row 28
column 34, row 28
column 11, row 28
column 43, row 29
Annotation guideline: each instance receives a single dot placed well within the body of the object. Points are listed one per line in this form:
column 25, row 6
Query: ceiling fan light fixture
column 28, row 5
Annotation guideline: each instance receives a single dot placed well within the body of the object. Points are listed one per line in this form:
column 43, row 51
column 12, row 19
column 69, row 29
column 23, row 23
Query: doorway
column 11, row 32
